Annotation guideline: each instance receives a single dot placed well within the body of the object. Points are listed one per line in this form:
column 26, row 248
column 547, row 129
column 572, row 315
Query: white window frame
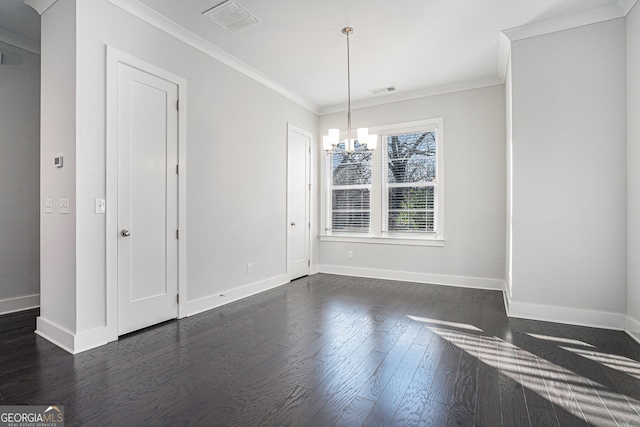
column 376, row 235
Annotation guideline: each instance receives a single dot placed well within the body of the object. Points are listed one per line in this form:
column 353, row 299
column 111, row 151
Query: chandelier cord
column 348, row 31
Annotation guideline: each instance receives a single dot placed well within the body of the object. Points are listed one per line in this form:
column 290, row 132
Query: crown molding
column 19, row 41
column 397, row 97
column 161, row 22
column 576, row 20
column 39, row 5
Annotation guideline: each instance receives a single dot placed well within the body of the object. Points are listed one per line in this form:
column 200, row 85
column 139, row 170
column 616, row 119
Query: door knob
column 293, row 224
column 125, row 233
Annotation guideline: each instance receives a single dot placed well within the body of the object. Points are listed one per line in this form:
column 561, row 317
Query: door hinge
column 177, row 234
column 178, row 105
column 177, row 170
column 309, row 263
column 178, row 298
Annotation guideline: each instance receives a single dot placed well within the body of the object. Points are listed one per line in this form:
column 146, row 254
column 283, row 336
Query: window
column 393, row 195
column 348, row 189
column 409, row 165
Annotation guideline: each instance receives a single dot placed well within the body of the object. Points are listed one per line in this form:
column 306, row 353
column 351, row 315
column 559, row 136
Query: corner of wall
column 70, row 342
column 632, row 328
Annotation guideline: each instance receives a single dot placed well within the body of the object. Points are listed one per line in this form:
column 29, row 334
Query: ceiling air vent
column 382, row 90
column 231, row 16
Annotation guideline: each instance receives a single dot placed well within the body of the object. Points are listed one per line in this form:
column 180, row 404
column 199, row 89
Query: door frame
column 295, row 129
column 114, row 58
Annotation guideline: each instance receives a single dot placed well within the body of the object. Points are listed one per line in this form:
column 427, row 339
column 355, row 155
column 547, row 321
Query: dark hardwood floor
column 331, row 350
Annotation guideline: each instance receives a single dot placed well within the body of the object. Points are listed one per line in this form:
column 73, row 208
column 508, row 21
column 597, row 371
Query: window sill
column 384, row 240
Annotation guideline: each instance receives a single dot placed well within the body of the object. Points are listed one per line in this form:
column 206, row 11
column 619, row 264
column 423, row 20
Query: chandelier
column 330, row 141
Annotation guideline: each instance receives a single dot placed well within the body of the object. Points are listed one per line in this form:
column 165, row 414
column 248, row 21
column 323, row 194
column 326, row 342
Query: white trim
column 40, row 6
column 575, row 20
column 19, row 41
column 506, row 299
column 70, row 342
column 417, row 277
column 58, row 335
column 207, row 303
column 383, row 240
column 163, row 23
column 115, row 57
column 504, row 53
column 11, row 305
column 567, row 315
column 405, row 96
column 632, row 328
column 91, row 339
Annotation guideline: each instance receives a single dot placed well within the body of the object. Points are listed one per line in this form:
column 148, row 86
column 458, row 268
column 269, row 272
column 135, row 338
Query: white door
column 147, row 199
column 298, row 220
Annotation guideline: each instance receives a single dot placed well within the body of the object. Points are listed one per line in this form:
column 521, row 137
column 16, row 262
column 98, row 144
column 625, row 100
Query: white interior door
column 147, row 199
column 298, row 219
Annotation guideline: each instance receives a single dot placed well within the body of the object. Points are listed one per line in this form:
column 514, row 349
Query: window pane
column 351, row 209
column 411, row 221
column 411, row 208
column 351, row 199
column 411, row 157
column 351, row 221
column 351, row 169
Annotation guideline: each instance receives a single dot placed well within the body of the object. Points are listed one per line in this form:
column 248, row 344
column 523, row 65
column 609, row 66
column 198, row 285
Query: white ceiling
column 412, row 44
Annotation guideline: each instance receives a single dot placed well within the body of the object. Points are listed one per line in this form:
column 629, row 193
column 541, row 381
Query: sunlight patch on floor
column 613, row 361
column 574, row 393
column 560, row 340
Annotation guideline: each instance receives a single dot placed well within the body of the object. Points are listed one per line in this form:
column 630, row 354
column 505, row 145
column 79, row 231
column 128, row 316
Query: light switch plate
column 99, row 206
column 48, row 205
column 64, row 205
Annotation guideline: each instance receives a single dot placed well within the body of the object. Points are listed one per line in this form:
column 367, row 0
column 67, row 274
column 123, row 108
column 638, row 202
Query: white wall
column 20, row 179
column 58, row 137
column 633, row 171
column 569, row 175
column 474, row 200
column 236, row 165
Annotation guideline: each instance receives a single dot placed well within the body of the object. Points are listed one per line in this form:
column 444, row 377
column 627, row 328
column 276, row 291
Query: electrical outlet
column 249, row 268
column 350, row 254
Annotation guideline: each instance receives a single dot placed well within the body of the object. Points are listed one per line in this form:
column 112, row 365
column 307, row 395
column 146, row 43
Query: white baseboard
column 409, row 276
column 70, row 342
column 632, row 328
column 12, row 305
column 58, row 335
column 225, row 297
column 567, row 315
